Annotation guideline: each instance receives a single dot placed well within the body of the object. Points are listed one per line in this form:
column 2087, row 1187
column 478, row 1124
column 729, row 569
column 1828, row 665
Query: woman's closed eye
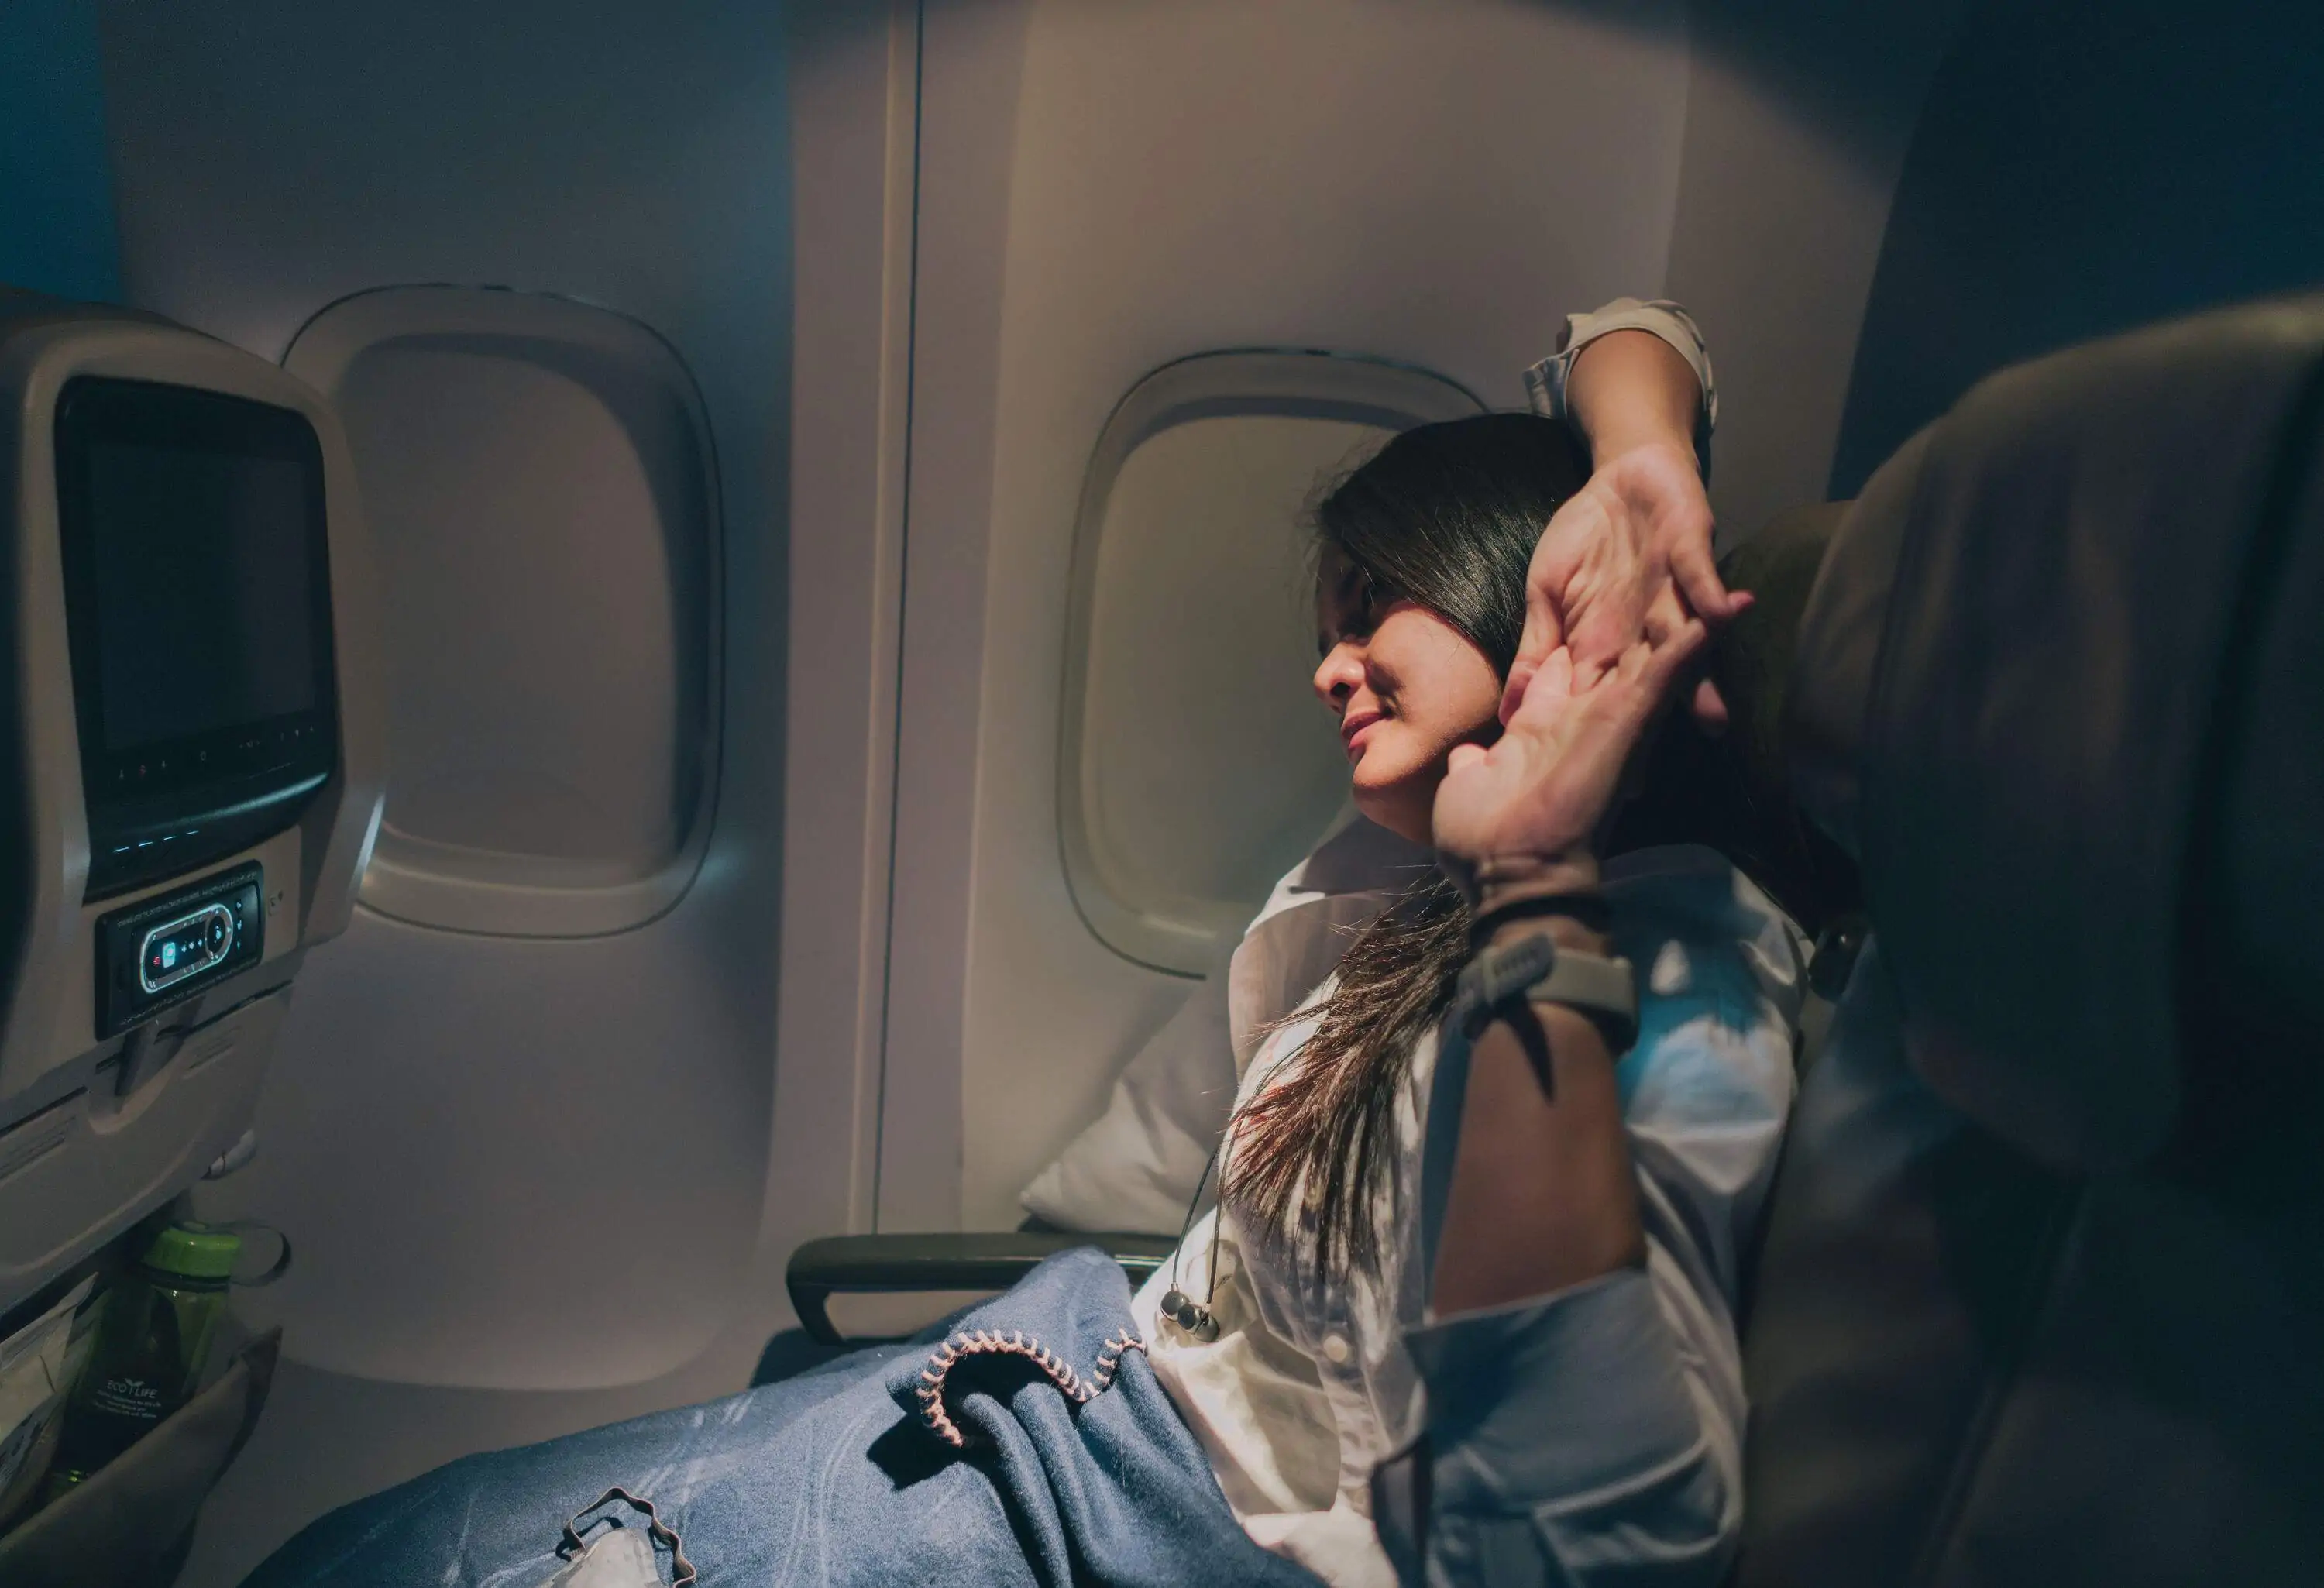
column 1355, row 606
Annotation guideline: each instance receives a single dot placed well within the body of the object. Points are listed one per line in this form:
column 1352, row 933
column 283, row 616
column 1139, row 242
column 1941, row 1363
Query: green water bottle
column 152, row 1343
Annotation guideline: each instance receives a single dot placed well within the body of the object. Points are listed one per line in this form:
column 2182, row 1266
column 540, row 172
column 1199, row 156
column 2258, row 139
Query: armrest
column 942, row 1261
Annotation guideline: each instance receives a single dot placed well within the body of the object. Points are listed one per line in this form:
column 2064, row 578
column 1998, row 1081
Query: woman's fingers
column 1557, row 672
column 1696, row 573
column 1664, row 615
column 1551, row 604
column 1642, row 679
column 1631, row 666
column 1513, row 693
column 1547, row 690
column 1543, row 634
column 1544, row 783
column 1667, row 656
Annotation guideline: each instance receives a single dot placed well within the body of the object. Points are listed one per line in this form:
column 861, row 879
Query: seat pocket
column 125, row 1526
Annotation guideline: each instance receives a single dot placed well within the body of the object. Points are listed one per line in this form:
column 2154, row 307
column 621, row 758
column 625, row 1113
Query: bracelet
column 1588, row 910
column 1535, row 969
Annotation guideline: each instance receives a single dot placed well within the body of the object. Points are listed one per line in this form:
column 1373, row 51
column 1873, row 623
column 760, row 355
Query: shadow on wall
column 2083, row 166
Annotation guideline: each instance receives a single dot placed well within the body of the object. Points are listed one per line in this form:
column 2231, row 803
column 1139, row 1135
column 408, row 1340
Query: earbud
column 1190, row 1315
column 1195, row 1316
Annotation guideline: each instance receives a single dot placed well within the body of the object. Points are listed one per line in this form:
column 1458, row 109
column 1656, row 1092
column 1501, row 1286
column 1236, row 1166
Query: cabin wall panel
column 271, row 160
column 560, row 1150
column 855, row 108
column 971, row 58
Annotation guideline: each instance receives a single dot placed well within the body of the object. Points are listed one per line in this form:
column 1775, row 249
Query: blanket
column 1029, row 1443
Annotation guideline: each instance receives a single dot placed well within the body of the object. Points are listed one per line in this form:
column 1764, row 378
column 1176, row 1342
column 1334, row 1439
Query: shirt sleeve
column 1545, row 382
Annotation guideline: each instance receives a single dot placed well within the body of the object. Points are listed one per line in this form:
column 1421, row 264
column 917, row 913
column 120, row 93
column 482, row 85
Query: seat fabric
column 2044, row 1272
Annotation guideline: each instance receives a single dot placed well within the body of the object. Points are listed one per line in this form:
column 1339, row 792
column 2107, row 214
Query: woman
column 1068, row 1462
column 1278, row 1331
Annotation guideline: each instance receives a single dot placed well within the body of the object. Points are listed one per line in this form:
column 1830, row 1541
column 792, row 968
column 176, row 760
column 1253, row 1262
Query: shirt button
column 1335, row 1351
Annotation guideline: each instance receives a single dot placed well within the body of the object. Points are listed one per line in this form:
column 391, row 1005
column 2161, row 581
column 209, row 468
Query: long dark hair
column 1447, row 516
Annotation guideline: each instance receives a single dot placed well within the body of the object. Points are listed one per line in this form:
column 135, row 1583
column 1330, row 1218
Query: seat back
column 2043, row 1271
column 1731, row 788
column 189, row 760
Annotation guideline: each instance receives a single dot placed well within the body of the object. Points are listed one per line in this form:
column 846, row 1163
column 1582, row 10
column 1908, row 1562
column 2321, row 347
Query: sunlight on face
column 1406, row 686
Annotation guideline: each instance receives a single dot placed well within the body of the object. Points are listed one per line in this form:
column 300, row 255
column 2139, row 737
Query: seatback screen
column 198, row 592
column 202, row 575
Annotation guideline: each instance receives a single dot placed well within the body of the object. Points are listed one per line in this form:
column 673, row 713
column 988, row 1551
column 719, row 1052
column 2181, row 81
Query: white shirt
column 1308, row 1387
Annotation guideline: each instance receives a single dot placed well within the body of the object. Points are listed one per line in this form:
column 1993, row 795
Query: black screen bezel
column 189, row 778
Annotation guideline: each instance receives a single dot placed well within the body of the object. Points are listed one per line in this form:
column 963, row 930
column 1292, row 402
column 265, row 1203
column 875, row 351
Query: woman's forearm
column 1630, row 389
column 1543, row 1195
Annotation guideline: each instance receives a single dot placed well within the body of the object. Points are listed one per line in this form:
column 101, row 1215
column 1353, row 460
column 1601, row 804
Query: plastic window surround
column 483, row 892
column 1307, row 383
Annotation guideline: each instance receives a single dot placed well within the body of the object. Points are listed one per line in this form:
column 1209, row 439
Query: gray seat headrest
column 2060, row 689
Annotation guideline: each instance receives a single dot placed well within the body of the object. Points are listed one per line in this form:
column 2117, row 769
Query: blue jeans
column 1030, row 1446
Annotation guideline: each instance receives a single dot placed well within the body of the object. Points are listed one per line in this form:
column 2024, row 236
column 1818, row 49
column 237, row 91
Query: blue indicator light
column 169, row 955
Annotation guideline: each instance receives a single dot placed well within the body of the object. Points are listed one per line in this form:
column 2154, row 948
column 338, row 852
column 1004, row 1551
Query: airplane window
column 1196, row 766
column 537, row 478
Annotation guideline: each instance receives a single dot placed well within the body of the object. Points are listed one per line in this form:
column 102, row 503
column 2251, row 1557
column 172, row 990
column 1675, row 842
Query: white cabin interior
column 834, row 471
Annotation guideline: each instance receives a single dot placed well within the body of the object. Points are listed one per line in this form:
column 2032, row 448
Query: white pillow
column 1136, row 1168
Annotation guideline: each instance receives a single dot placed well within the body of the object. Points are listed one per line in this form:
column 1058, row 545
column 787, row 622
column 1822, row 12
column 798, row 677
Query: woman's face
column 1406, row 686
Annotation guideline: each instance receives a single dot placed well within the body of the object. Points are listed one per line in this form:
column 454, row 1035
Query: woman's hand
column 1629, row 556
column 1519, row 816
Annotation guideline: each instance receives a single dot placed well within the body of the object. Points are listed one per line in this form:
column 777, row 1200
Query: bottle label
column 130, row 1397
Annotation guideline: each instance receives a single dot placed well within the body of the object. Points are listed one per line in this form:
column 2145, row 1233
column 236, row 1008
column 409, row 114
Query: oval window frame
column 1284, row 382
column 454, row 889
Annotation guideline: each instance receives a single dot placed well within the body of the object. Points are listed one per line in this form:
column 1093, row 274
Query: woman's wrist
column 1513, row 895
column 1501, row 881
column 1570, row 933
